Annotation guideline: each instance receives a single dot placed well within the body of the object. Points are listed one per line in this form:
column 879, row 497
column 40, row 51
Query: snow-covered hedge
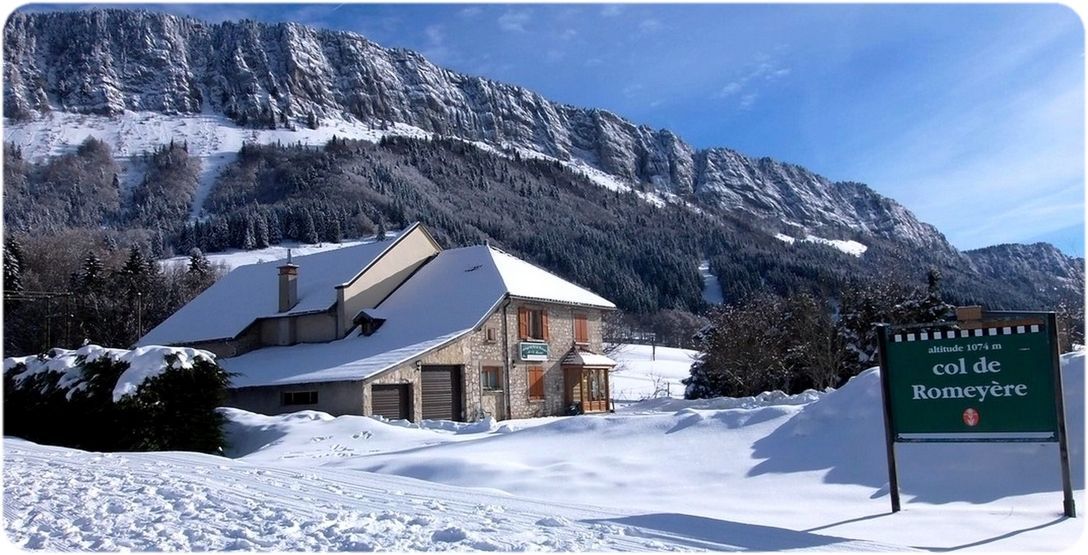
column 96, row 398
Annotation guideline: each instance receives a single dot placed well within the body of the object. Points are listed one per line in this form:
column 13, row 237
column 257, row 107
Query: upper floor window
column 490, row 335
column 533, row 323
column 581, row 329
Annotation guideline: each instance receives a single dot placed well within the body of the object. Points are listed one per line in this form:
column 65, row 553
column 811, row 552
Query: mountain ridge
column 293, row 75
column 286, row 79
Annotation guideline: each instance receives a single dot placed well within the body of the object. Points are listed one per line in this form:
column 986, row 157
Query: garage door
column 441, row 392
column 390, row 401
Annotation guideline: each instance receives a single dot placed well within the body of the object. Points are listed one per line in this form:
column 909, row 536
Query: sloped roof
column 252, row 291
column 527, row 281
column 579, row 357
column 445, row 299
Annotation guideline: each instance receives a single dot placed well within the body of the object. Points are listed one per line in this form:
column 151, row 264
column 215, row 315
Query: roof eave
column 610, row 306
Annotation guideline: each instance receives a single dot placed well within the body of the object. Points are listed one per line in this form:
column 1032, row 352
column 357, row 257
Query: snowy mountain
column 1040, row 265
column 116, row 62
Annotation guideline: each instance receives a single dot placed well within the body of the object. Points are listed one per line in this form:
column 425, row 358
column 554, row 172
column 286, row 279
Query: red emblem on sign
column 970, row 417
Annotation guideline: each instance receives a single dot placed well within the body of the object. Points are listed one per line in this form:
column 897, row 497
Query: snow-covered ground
column 232, row 258
column 712, row 288
column 772, row 472
column 849, row 247
column 645, row 372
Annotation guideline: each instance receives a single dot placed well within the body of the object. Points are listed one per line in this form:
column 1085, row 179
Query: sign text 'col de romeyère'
column 987, row 383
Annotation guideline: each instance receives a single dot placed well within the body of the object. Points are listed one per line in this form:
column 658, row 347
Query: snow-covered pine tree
column 13, row 264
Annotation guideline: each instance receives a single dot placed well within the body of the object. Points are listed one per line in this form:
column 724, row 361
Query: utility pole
column 139, row 315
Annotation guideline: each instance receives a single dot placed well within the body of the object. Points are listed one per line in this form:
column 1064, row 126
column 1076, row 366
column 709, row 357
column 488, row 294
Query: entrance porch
column 586, row 387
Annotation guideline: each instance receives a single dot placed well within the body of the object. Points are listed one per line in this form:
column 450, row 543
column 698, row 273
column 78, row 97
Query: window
column 533, row 323
column 490, row 335
column 536, row 382
column 581, row 329
column 299, row 398
column 489, row 378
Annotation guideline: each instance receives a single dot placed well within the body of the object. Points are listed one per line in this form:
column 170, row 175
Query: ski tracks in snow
column 60, row 499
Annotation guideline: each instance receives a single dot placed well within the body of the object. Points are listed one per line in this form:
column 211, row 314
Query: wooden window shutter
column 544, row 324
column 536, row 382
column 523, row 323
column 581, row 329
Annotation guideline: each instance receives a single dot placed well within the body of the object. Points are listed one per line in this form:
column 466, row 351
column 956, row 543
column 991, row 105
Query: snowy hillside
column 644, row 372
column 215, row 141
column 232, row 258
column 772, row 472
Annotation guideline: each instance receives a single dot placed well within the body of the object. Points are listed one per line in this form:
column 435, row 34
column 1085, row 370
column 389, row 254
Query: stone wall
column 560, row 341
column 472, row 352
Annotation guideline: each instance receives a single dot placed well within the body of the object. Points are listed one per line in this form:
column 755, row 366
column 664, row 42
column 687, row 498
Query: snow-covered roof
column 585, row 358
column 443, row 300
column 446, row 298
column 252, row 291
column 526, row 281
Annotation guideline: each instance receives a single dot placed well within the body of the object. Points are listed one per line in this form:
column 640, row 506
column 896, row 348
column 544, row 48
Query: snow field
column 770, row 472
column 61, row 499
column 849, row 247
column 641, row 375
column 232, row 258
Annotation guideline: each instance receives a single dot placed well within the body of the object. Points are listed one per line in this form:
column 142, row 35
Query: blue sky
column 972, row 116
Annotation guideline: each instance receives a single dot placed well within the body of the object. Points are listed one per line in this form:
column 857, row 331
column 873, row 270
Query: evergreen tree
column 309, row 230
column 13, row 264
column 260, row 231
column 92, row 274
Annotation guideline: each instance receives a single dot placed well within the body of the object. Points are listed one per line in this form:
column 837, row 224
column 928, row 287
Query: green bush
column 175, row 409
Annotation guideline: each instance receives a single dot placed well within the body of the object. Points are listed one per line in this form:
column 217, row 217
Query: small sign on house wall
column 532, row 351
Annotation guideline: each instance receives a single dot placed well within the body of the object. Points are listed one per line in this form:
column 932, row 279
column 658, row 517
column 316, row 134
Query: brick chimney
column 288, row 284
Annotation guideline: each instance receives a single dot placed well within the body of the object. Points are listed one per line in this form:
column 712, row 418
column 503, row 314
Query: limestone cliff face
column 276, row 75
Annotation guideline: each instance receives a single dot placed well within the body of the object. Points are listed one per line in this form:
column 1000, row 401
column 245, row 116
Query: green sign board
column 533, row 351
column 992, row 383
column 997, row 380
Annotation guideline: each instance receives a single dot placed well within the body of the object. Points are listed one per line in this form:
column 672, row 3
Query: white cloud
column 632, row 89
column 745, row 87
column 731, row 88
column 747, row 100
column 470, row 12
column 649, row 25
column 435, row 34
column 554, row 56
column 436, row 49
column 514, row 21
column 611, row 10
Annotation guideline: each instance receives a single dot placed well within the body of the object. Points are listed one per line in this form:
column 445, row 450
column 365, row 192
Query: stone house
column 403, row 329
